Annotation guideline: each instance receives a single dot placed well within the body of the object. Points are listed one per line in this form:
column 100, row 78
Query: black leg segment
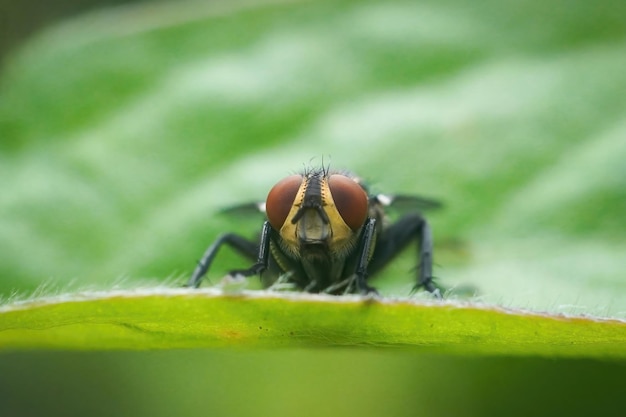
column 397, row 236
column 364, row 251
column 243, row 246
column 263, row 256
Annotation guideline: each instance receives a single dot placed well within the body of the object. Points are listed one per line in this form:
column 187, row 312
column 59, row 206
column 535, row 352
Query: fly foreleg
column 396, row 237
column 263, row 255
column 240, row 244
column 364, row 255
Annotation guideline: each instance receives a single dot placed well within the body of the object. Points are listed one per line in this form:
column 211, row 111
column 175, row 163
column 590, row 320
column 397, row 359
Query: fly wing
column 245, row 209
column 405, row 203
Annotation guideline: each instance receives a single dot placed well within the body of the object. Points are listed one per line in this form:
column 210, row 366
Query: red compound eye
column 280, row 200
column 350, row 200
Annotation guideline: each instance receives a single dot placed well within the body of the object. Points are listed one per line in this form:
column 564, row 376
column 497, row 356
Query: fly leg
column 364, row 252
column 396, row 237
column 243, row 246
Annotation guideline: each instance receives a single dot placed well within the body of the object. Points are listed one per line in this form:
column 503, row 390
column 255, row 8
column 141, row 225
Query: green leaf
column 124, row 132
column 167, row 318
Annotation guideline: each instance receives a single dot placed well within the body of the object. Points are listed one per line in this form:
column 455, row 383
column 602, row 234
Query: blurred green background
column 123, row 130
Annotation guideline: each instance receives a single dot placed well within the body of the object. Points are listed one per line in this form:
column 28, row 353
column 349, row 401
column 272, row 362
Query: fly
column 324, row 232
